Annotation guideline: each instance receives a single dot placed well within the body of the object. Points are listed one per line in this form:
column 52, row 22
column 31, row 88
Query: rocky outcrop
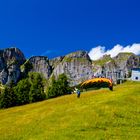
column 116, row 68
column 77, row 66
column 133, row 62
column 41, row 64
column 55, row 61
column 10, row 61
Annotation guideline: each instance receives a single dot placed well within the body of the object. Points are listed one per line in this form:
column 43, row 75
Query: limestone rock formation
column 116, row 68
column 55, row 61
column 77, row 66
column 10, row 61
column 41, row 64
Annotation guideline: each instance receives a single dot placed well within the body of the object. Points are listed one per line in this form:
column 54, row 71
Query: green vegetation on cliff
column 103, row 60
column 122, row 57
column 69, row 59
column 26, row 67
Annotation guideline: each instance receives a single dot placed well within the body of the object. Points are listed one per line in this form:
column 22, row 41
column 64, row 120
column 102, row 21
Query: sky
column 57, row 27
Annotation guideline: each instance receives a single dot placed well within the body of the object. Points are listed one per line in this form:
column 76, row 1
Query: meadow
column 96, row 115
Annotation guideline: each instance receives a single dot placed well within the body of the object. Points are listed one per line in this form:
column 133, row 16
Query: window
column 136, row 78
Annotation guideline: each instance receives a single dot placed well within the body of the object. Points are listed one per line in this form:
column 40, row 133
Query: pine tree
column 58, row 87
column 7, row 97
column 37, row 88
column 63, row 84
column 22, row 91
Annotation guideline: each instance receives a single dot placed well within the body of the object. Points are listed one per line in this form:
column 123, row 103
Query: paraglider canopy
column 98, row 82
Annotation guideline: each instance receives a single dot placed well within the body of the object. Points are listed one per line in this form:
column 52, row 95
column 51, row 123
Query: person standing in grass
column 77, row 91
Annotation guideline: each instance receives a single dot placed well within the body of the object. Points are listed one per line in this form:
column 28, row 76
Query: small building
column 135, row 76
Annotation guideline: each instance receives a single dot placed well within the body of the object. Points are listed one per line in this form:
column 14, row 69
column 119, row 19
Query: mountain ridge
column 77, row 66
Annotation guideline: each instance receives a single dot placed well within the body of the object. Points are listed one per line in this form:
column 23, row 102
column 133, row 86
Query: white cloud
column 99, row 51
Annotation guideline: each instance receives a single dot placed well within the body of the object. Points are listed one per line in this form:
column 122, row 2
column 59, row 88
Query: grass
column 97, row 115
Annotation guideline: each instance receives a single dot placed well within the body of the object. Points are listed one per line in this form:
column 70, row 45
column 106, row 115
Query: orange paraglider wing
column 98, row 80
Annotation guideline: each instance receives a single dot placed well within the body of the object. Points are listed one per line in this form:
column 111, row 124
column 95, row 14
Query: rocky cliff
column 41, row 64
column 10, row 61
column 77, row 66
column 116, row 68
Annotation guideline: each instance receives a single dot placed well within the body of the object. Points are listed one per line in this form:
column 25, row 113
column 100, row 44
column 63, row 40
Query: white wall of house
column 135, row 75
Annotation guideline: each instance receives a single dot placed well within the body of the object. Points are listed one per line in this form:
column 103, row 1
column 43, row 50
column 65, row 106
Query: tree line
column 32, row 89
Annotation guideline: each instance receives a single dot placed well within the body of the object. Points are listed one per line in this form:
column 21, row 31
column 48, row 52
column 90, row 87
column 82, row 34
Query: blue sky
column 58, row 27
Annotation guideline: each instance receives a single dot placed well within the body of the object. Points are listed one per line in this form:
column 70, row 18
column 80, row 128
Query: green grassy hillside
column 97, row 115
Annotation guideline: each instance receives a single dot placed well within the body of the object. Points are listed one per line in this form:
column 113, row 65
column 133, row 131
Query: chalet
column 135, row 74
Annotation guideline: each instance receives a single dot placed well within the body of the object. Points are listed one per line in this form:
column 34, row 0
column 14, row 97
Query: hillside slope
column 100, row 114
